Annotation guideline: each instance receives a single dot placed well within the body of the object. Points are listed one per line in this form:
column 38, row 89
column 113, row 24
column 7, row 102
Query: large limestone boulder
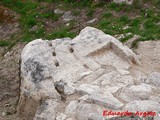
column 76, row 79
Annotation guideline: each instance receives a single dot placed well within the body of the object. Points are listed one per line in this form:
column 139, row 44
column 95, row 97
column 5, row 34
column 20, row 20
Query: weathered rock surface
column 142, row 91
column 143, row 106
column 71, row 108
column 76, row 79
column 107, row 100
column 126, row 95
column 154, row 79
column 47, row 110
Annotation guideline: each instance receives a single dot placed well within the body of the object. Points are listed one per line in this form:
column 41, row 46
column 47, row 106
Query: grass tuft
column 4, row 43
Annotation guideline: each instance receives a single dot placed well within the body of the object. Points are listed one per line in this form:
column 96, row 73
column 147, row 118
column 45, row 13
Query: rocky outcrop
column 76, row 79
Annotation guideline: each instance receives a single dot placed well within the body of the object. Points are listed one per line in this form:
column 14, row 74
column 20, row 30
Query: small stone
column 88, row 89
column 7, row 105
column 126, row 27
column 4, row 113
column 65, row 88
column 34, row 28
column 92, row 21
column 123, row 72
column 130, row 42
column 129, row 2
column 83, row 98
column 126, row 95
column 58, row 11
column 111, row 89
column 69, row 89
column 67, row 16
column 142, row 91
column 68, row 24
column 122, row 36
column 84, row 74
column 107, row 100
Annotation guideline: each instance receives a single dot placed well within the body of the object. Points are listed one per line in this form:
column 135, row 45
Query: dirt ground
column 9, row 82
column 149, row 53
column 9, row 65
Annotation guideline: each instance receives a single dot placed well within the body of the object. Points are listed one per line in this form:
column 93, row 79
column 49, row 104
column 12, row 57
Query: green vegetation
column 37, row 20
column 4, row 43
column 143, row 22
column 61, row 33
column 90, row 13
